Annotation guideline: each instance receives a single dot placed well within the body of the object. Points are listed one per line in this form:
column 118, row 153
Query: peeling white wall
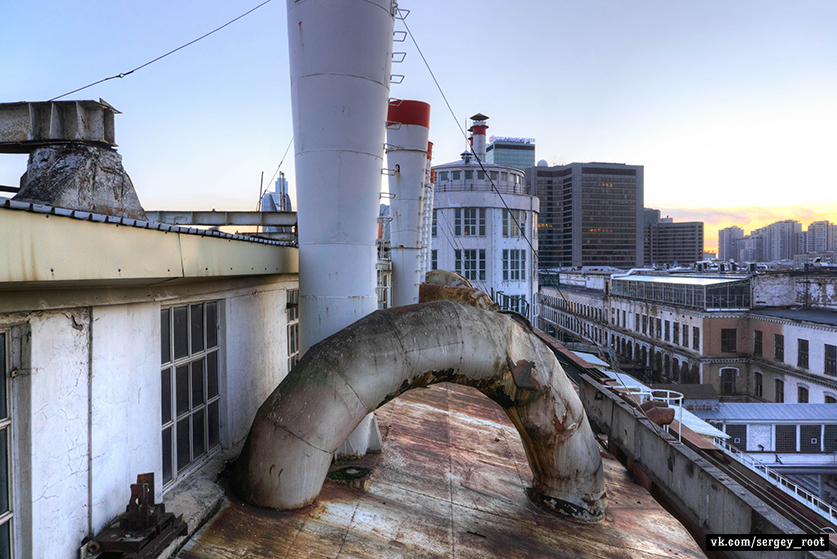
column 256, row 355
column 59, row 437
column 88, row 412
column 126, row 434
column 760, row 435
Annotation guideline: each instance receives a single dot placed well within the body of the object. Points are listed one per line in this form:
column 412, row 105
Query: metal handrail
column 669, row 397
column 797, row 492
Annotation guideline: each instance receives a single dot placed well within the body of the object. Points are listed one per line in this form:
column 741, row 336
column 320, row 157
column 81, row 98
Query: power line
column 487, row 174
column 129, row 72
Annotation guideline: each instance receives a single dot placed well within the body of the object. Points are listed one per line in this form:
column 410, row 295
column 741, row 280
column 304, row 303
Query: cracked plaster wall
column 125, row 403
column 256, row 355
column 59, row 436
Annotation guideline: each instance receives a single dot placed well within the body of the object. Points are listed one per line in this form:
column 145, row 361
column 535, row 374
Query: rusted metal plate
column 454, row 490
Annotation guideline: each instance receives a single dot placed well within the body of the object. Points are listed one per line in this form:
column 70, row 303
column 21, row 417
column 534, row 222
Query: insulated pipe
column 286, row 457
column 340, row 62
column 408, row 127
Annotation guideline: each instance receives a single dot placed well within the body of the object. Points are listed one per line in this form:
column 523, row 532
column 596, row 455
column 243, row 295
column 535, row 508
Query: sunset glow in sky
column 730, row 106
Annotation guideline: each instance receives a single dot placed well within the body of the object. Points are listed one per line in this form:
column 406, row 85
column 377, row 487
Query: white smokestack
column 341, row 56
column 408, row 127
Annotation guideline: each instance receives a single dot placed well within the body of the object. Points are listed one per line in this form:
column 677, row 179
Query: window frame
column 729, row 340
column 802, row 353
column 210, row 401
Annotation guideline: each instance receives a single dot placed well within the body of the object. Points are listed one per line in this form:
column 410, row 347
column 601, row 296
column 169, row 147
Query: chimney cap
column 479, row 116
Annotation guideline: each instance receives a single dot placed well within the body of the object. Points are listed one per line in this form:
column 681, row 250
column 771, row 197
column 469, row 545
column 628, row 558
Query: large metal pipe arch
column 286, row 457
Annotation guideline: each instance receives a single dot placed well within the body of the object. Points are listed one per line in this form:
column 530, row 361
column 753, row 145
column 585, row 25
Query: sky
column 731, row 106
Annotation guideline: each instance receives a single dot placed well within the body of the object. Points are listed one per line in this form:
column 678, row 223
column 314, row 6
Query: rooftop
column 819, row 316
column 451, row 482
column 773, row 413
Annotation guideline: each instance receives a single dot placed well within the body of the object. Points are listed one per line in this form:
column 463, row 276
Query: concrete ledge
column 198, row 497
column 711, row 502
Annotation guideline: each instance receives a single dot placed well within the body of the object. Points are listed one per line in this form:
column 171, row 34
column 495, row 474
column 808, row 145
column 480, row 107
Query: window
column 667, row 325
column 757, row 343
column 434, row 259
column 676, row 333
column 659, row 327
column 830, row 400
column 190, row 385
column 470, row 263
column 696, row 338
column 624, row 319
column 636, row 323
column 481, row 175
column 830, row 366
column 644, row 324
column 456, row 175
column 433, row 225
column 779, row 347
column 802, row 395
column 728, row 381
column 786, row 438
column 779, row 390
column 802, row 354
column 293, row 327
column 757, row 385
column 514, row 223
column 469, row 222
column 6, row 498
column 514, row 265
column 443, row 176
column 493, row 175
column 728, row 340
column 686, row 335
column 738, row 436
column 504, row 176
column 469, row 175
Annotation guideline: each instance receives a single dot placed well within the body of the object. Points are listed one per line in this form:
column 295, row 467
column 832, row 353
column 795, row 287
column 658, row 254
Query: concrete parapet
column 708, row 501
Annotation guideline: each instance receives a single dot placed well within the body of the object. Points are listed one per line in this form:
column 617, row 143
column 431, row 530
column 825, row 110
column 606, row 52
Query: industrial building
column 485, row 225
column 591, row 214
column 767, row 337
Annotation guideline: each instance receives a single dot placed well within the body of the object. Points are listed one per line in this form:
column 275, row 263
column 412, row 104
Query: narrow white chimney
column 408, row 127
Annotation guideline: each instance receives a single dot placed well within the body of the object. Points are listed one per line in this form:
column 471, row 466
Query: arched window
column 728, row 376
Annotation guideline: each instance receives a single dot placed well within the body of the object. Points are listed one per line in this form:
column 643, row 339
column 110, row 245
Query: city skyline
column 712, row 99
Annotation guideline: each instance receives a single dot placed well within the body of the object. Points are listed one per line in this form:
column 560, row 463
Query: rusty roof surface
column 451, row 482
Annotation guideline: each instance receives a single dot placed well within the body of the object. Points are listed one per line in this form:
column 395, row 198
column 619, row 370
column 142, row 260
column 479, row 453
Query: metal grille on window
column 829, row 438
column 786, row 438
column 810, row 438
column 190, row 385
column 6, row 512
column 738, row 436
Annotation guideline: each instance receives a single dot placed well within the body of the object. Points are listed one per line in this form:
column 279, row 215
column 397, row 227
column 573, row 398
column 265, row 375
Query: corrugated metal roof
column 681, row 280
column 820, row 316
column 772, row 413
column 9, row 204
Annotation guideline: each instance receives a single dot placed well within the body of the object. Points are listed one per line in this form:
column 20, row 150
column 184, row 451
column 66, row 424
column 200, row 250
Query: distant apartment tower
column 591, row 214
column 511, row 152
column 666, row 242
column 821, row 237
column 730, row 240
column 780, row 241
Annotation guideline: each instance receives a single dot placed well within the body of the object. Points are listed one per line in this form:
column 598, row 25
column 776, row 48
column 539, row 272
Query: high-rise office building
column 511, row 152
column 591, row 214
column 667, row 242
